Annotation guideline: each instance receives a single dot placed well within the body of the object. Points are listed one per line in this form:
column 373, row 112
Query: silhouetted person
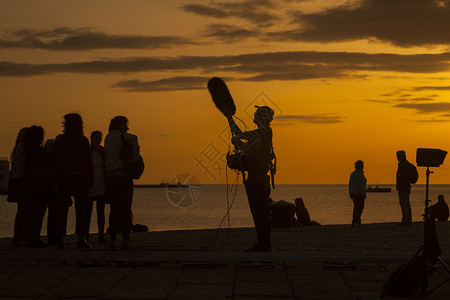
column 282, row 214
column 257, row 146
column 16, row 189
column 119, row 183
column 72, row 154
column 48, row 145
column 52, row 197
column 439, row 210
column 38, row 183
column 357, row 191
column 97, row 193
column 403, row 186
column 302, row 214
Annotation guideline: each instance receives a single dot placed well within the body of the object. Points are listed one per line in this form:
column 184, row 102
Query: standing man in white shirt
column 357, row 190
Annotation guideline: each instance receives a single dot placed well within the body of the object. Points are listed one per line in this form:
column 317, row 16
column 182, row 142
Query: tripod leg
column 400, row 272
column 444, row 265
column 445, row 281
column 438, row 286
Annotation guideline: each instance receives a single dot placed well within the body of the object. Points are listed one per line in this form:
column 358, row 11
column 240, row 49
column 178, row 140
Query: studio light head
column 427, row 157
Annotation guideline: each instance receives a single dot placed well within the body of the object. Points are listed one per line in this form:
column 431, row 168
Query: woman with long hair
column 75, row 175
column 119, row 183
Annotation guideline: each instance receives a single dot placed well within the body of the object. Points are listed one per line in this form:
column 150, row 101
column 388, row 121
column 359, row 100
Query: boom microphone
column 221, row 96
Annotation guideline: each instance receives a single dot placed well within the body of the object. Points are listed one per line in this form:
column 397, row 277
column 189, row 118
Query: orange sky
column 348, row 81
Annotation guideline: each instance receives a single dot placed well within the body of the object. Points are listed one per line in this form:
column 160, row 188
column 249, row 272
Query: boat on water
column 161, row 185
column 377, row 189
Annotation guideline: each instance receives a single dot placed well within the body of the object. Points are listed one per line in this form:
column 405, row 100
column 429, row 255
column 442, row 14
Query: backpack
column 134, row 168
column 413, row 175
column 238, row 161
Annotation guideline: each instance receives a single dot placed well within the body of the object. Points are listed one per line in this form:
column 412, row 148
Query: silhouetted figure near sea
column 75, row 174
column 282, row 214
column 97, row 193
column 16, row 188
column 406, row 174
column 439, row 210
column 38, row 183
column 302, row 214
column 119, row 183
column 357, row 190
column 257, row 146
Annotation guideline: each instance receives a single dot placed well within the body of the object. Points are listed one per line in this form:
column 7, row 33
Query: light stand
column 430, row 250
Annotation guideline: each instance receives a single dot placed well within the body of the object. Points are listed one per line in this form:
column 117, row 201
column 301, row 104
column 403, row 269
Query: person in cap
column 256, row 145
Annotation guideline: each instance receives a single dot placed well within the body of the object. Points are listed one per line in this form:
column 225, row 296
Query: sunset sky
column 348, row 80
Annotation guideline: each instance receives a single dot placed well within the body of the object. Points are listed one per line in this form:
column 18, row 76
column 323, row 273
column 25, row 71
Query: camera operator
column 257, row 148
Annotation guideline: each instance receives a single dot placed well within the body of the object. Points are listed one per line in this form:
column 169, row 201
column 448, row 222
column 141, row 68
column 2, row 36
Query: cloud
column 431, row 121
column 426, row 108
column 422, row 99
column 433, row 88
column 256, row 12
column 406, row 100
column 315, row 119
column 378, row 101
column 205, row 10
column 68, row 39
column 167, row 84
column 404, row 23
column 296, row 65
column 228, row 33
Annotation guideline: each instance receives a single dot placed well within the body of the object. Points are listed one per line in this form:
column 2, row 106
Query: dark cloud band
column 262, row 66
column 168, row 84
column 404, row 23
column 426, row 108
column 315, row 119
column 68, row 39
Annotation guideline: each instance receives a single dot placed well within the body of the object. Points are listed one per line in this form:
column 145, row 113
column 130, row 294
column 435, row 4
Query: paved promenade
column 327, row 262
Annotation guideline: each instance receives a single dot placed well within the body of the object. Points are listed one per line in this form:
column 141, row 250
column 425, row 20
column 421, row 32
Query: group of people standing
column 406, row 175
column 48, row 176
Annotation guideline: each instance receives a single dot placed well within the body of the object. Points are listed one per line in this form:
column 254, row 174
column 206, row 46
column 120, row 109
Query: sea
column 206, row 206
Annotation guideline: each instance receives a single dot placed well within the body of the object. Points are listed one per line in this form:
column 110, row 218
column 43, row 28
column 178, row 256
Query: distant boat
column 377, row 189
column 161, row 185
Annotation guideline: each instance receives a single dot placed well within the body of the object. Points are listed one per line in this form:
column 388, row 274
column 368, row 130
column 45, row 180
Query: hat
column 265, row 111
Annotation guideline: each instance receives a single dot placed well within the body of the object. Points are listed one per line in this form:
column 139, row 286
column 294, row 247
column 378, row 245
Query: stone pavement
column 327, row 262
